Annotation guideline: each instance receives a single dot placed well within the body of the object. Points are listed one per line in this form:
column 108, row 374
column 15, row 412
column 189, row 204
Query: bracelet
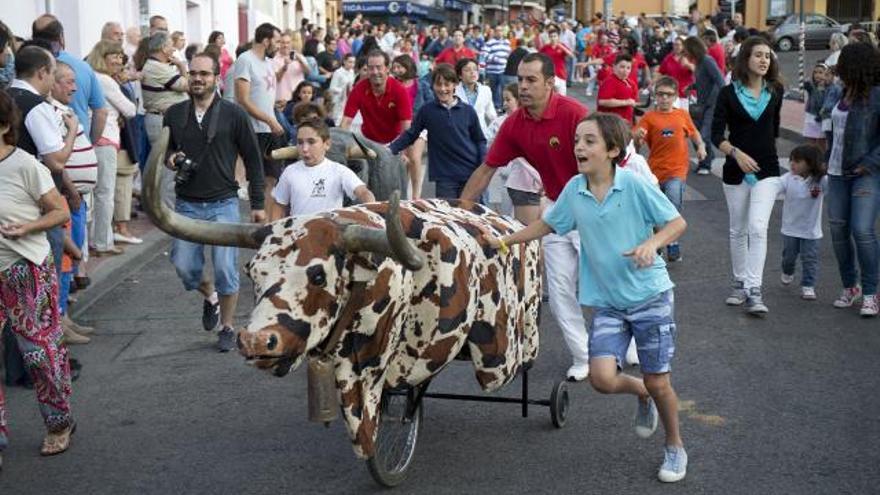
column 733, row 151
column 503, row 246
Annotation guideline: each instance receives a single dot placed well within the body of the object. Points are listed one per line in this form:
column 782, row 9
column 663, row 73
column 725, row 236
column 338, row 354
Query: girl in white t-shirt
column 314, row 183
column 804, row 187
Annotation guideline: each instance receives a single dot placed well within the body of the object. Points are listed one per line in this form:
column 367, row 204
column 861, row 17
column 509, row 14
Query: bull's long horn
column 352, row 153
column 199, row 231
column 391, row 241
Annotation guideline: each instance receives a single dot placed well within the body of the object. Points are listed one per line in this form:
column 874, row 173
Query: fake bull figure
column 395, row 290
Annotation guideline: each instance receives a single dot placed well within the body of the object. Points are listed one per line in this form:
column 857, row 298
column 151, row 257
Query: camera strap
column 212, row 122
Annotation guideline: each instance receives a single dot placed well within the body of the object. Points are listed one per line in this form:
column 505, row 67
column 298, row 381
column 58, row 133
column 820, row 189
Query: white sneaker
column 808, row 293
column 869, row 306
column 578, row 372
column 786, row 278
column 848, row 297
column 126, row 239
column 632, row 353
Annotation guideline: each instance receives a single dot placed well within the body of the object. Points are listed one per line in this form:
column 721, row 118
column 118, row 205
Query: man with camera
column 207, row 133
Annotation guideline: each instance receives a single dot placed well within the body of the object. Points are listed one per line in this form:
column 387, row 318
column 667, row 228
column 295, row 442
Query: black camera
column 185, row 169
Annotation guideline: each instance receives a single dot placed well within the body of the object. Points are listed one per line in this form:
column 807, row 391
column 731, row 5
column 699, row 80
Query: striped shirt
column 82, row 166
column 162, row 86
column 494, row 55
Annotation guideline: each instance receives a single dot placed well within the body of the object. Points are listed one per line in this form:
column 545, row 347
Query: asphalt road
column 784, row 404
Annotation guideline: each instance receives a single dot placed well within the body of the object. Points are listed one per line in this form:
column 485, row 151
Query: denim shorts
column 652, row 325
column 188, row 258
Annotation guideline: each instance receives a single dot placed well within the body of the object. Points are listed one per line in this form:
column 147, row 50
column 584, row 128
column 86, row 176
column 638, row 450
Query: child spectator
column 621, row 277
column 815, row 89
column 457, row 146
column 73, row 334
column 304, row 93
column 666, row 130
column 314, row 183
column 617, row 94
column 804, row 187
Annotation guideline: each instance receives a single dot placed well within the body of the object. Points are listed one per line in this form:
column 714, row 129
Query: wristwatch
column 733, row 151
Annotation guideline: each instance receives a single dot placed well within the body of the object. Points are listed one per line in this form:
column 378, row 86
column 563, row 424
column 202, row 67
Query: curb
column 113, row 272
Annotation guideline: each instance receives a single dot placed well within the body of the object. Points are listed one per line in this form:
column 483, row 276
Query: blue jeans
column 56, row 245
column 188, row 258
column 852, row 211
column 808, row 249
column 143, row 141
column 674, row 191
column 706, row 130
column 496, row 84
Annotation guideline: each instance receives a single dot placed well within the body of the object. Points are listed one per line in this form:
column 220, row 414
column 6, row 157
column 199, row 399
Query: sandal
column 55, row 444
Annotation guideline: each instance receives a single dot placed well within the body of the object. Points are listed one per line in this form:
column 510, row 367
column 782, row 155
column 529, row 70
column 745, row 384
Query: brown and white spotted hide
column 410, row 324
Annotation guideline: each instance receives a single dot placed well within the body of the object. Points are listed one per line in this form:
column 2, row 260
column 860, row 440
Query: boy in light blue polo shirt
column 621, row 277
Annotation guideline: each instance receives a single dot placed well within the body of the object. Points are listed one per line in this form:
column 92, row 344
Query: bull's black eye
column 316, row 276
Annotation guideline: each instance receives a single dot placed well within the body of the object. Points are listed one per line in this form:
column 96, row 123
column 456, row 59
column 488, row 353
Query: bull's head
column 303, row 271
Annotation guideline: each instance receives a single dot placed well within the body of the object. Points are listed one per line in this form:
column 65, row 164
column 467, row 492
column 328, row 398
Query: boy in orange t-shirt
column 666, row 131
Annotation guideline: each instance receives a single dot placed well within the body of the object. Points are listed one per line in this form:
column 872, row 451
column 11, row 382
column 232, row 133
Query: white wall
column 83, row 19
column 19, row 14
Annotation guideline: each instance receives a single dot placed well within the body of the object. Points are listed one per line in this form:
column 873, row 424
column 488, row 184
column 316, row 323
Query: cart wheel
column 396, row 440
column 559, row 403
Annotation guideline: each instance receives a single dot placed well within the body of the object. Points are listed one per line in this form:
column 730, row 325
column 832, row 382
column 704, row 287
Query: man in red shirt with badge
column 558, row 53
column 455, row 52
column 381, row 100
column 542, row 132
column 618, row 94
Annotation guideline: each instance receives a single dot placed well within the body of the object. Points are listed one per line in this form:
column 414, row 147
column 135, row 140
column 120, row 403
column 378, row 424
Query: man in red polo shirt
column 455, row 52
column 558, row 53
column 542, row 132
column 618, row 94
column 381, row 100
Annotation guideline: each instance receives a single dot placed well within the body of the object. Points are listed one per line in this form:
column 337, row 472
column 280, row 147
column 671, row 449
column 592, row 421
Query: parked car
column 817, row 31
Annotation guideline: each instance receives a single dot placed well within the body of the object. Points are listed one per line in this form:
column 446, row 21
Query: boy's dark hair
column 548, row 70
column 444, row 72
column 462, row 63
column 623, row 57
column 9, row 116
column 31, row 59
column 318, row 125
column 666, row 82
column 302, row 110
column 813, row 158
column 614, row 130
column 263, row 31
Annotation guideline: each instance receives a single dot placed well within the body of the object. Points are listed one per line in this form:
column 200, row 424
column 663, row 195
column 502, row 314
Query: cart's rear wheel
column 396, row 439
column 559, row 403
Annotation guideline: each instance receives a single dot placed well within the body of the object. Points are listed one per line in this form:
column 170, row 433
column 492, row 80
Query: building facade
column 237, row 19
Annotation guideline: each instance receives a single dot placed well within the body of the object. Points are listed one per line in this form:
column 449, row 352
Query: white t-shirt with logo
column 23, row 181
column 314, row 189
